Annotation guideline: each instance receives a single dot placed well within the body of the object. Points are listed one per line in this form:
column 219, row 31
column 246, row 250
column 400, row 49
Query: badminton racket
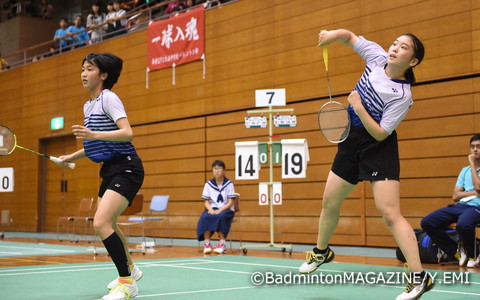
column 8, row 143
column 333, row 117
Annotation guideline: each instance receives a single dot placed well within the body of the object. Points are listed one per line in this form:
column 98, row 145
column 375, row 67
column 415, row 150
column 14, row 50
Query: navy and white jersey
column 218, row 195
column 102, row 114
column 386, row 100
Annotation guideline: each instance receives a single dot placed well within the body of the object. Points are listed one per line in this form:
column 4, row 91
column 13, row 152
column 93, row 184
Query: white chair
column 84, row 213
column 158, row 212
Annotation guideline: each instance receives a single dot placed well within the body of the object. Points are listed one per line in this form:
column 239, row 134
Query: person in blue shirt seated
column 62, row 44
column 78, row 39
column 465, row 212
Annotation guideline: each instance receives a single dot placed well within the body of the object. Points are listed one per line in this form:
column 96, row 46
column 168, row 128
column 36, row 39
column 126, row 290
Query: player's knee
column 330, row 205
column 390, row 217
column 100, row 226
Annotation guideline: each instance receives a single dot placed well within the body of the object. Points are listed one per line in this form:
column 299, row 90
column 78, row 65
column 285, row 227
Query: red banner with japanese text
column 177, row 40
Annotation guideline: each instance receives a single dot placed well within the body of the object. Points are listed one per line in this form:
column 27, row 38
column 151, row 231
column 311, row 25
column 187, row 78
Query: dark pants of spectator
column 466, row 217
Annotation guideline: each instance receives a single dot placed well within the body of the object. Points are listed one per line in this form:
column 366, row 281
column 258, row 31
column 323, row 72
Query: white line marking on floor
column 30, row 249
column 201, row 291
column 205, row 269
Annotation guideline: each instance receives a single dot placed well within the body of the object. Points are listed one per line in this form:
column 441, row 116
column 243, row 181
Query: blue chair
column 158, row 212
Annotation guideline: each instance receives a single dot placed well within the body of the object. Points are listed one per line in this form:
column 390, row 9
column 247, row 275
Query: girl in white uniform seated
column 218, row 194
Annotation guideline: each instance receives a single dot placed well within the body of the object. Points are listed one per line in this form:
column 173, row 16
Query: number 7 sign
column 272, row 97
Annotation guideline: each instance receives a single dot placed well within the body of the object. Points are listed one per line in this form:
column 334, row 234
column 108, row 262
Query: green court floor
column 228, row 277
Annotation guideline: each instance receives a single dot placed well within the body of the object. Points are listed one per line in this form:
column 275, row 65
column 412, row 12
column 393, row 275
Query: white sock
column 207, row 242
column 222, row 241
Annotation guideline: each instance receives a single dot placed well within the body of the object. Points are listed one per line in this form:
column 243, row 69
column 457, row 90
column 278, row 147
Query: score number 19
column 292, row 165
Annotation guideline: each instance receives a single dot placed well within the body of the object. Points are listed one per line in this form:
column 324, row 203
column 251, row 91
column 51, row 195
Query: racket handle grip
column 57, row 160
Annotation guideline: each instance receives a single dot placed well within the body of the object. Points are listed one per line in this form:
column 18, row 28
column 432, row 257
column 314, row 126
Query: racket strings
column 7, row 141
column 334, row 122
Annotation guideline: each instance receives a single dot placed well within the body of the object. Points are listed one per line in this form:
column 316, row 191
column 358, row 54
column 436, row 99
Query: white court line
column 57, row 271
column 41, row 270
column 37, row 249
column 202, row 291
column 204, row 269
column 259, row 265
column 46, row 268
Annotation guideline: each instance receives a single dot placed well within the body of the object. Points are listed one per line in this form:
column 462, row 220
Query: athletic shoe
column 414, row 290
column 220, row 248
column 461, row 255
column 314, row 260
column 471, row 263
column 207, row 249
column 136, row 273
column 122, row 291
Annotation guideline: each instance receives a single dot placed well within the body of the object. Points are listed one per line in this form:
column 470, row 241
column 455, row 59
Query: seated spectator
column 175, row 6
column 96, row 17
column 45, row 9
column 78, row 39
column 51, row 52
column 116, row 19
column 218, row 194
column 465, row 212
column 110, row 27
column 3, row 63
column 62, row 43
column 37, row 58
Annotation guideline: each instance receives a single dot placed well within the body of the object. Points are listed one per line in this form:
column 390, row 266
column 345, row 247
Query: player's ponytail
column 419, row 53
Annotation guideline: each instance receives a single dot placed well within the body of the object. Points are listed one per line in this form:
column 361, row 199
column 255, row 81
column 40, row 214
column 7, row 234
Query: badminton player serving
column 379, row 102
column 107, row 136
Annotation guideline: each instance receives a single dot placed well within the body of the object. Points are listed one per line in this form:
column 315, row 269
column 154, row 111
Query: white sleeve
column 113, row 107
column 395, row 111
column 206, row 192
column 230, row 191
column 370, row 51
column 120, row 14
column 89, row 20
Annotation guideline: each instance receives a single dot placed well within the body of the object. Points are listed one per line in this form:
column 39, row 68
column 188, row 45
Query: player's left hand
column 82, row 132
column 354, row 99
column 325, row 38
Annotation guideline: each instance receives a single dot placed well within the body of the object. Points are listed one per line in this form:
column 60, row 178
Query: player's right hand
column 64, row 161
